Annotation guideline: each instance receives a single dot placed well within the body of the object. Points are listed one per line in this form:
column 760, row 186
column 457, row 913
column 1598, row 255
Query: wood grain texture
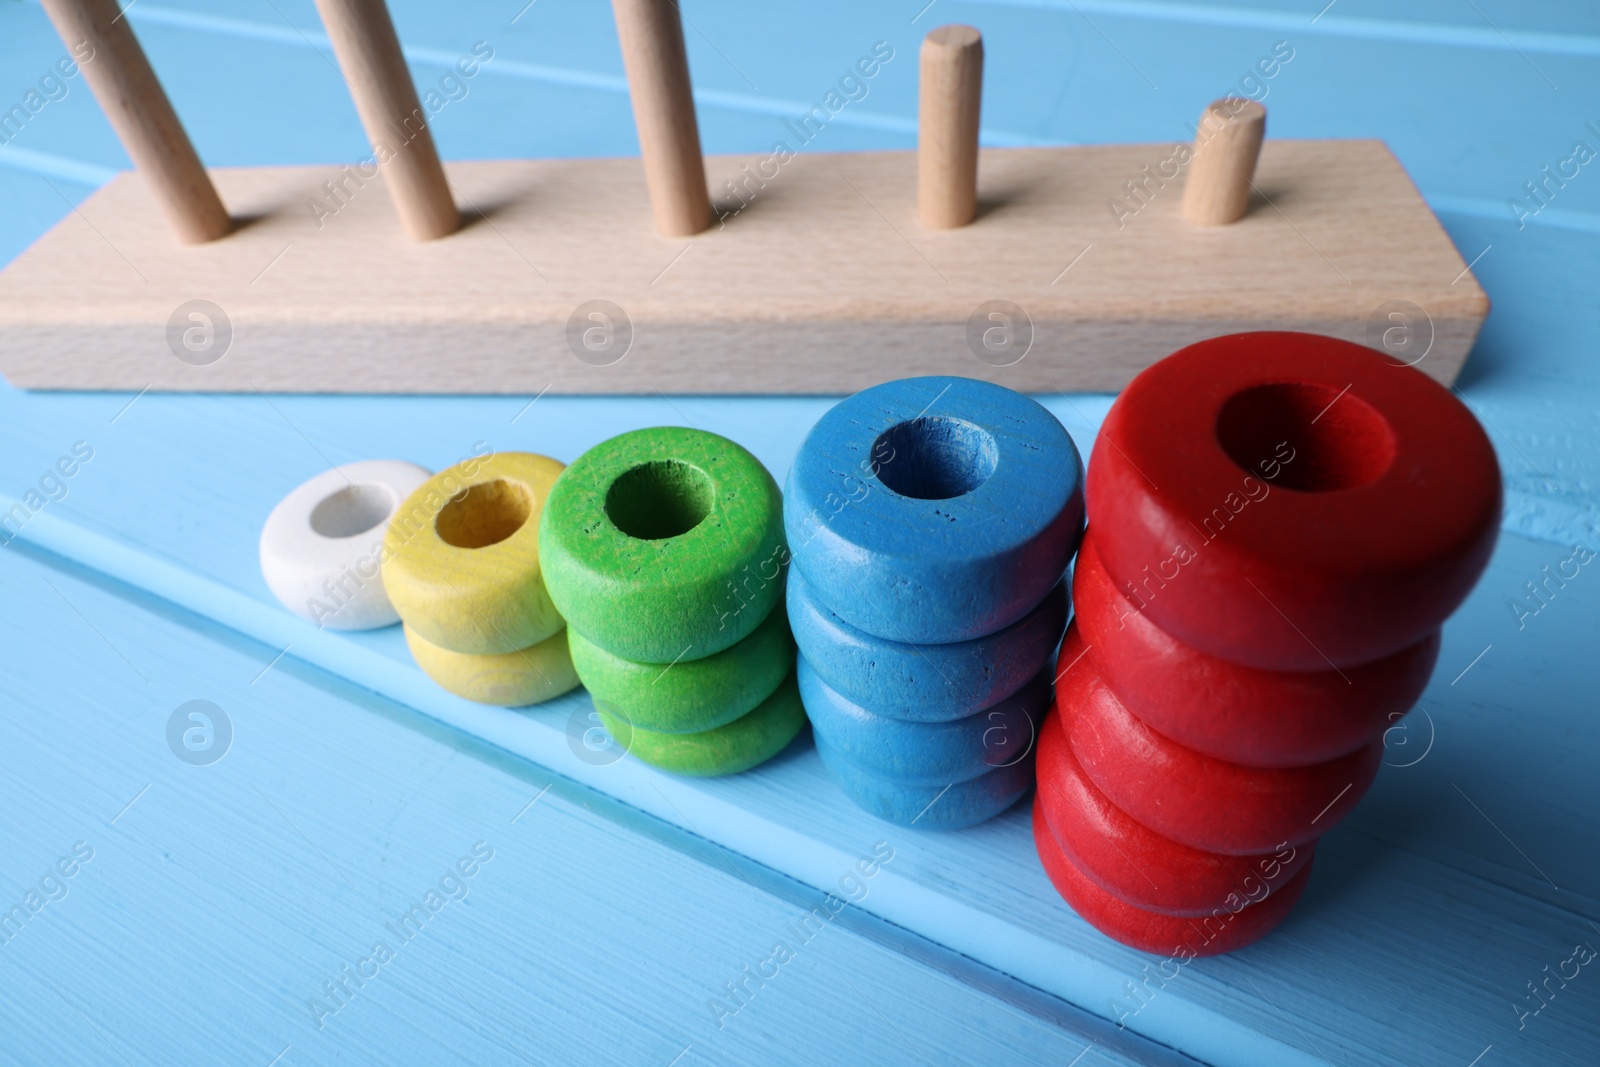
column 950, row 99
column 235, row 891
column 822, row 283
column 137, row 107
column 369, row 51
column 1450, row 919
column 1227, row 145
column 1422, row 923
column 651, row 35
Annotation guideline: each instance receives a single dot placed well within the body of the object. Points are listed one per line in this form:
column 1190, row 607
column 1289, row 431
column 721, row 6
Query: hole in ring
column 659, row 499
column 934, row 457
column 1305, row 436
column 355, row 509
column 486, row 514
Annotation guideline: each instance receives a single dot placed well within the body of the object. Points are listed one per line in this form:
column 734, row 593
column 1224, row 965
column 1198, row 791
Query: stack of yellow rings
column 461, row 566
column 664, row 550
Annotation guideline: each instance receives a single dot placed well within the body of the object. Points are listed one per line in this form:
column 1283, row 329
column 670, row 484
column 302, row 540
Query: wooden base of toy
column 822, row 282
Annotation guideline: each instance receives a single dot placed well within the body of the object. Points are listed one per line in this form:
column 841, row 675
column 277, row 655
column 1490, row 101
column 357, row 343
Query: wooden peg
column 651, row 34
column 369, row 52
column 947, row 126
column 1226, row 146
column 133, row 101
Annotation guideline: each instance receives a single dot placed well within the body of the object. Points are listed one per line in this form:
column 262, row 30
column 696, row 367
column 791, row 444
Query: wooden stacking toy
column 462, row 566
column 1279, row 525
column 321, row 548
column 664, row 550
column 931, row 520
column 1048, row 268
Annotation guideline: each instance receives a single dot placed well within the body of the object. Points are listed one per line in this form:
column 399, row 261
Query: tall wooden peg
column 1226, row 146
column 369, row 52
column 138, row 109
column 947, row 126
column 653, row 53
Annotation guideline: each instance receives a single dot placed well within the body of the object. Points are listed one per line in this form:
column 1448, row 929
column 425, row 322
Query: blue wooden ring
column 927, row 753
column 932, row 510
column 952, row 806
column 924, row 683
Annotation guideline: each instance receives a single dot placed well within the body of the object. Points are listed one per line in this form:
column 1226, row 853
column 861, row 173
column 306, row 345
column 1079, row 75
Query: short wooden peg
column 132, row 98
column 651, row 34
column 947, row 126
column 1226, row 147
column 368, row 48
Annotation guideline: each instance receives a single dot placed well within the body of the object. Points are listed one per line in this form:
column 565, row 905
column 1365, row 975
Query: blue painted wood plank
column 1441, row 895
column 213, row 903
column 1474, row 901
column 967, row 891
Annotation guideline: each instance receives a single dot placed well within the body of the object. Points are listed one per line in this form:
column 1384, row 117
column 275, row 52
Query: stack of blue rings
column 930, row 522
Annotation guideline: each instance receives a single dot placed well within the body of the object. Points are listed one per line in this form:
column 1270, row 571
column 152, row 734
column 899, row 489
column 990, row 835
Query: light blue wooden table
column 228, row 913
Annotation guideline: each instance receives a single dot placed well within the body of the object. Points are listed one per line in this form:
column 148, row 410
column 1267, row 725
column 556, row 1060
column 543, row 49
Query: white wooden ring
column 322, row 546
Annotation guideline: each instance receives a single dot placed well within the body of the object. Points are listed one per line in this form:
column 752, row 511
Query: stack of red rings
column 1279, row 523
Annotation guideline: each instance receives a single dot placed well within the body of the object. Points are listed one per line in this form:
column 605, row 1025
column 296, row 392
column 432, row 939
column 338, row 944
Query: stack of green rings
column 664, row 550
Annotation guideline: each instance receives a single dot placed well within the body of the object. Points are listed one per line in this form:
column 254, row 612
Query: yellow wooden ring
column 509, row 679
column 461, row 558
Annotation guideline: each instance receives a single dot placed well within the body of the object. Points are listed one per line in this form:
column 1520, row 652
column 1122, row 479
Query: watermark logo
column 999, row 332
column 1009, row 737
column 51, row 88
column 1542, row 993
column 199, row 332
column 1551, row 582
column 592, row 741
column 599, row 332
column 1400, row 329
column 1403, row 746
column 52, row 887
column 199, row 733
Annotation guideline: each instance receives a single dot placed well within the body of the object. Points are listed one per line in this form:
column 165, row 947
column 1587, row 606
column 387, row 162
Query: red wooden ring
column 1181, row 938
column 1199, row 801
column 1293, row 502
column 1229, row 711
column 1134, row 863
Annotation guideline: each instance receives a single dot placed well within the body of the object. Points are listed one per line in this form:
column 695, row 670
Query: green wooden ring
column 737, row 746
column 664, row 545
column 694, row 695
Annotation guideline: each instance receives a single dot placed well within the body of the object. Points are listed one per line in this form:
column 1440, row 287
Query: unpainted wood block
column 1077, row 273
